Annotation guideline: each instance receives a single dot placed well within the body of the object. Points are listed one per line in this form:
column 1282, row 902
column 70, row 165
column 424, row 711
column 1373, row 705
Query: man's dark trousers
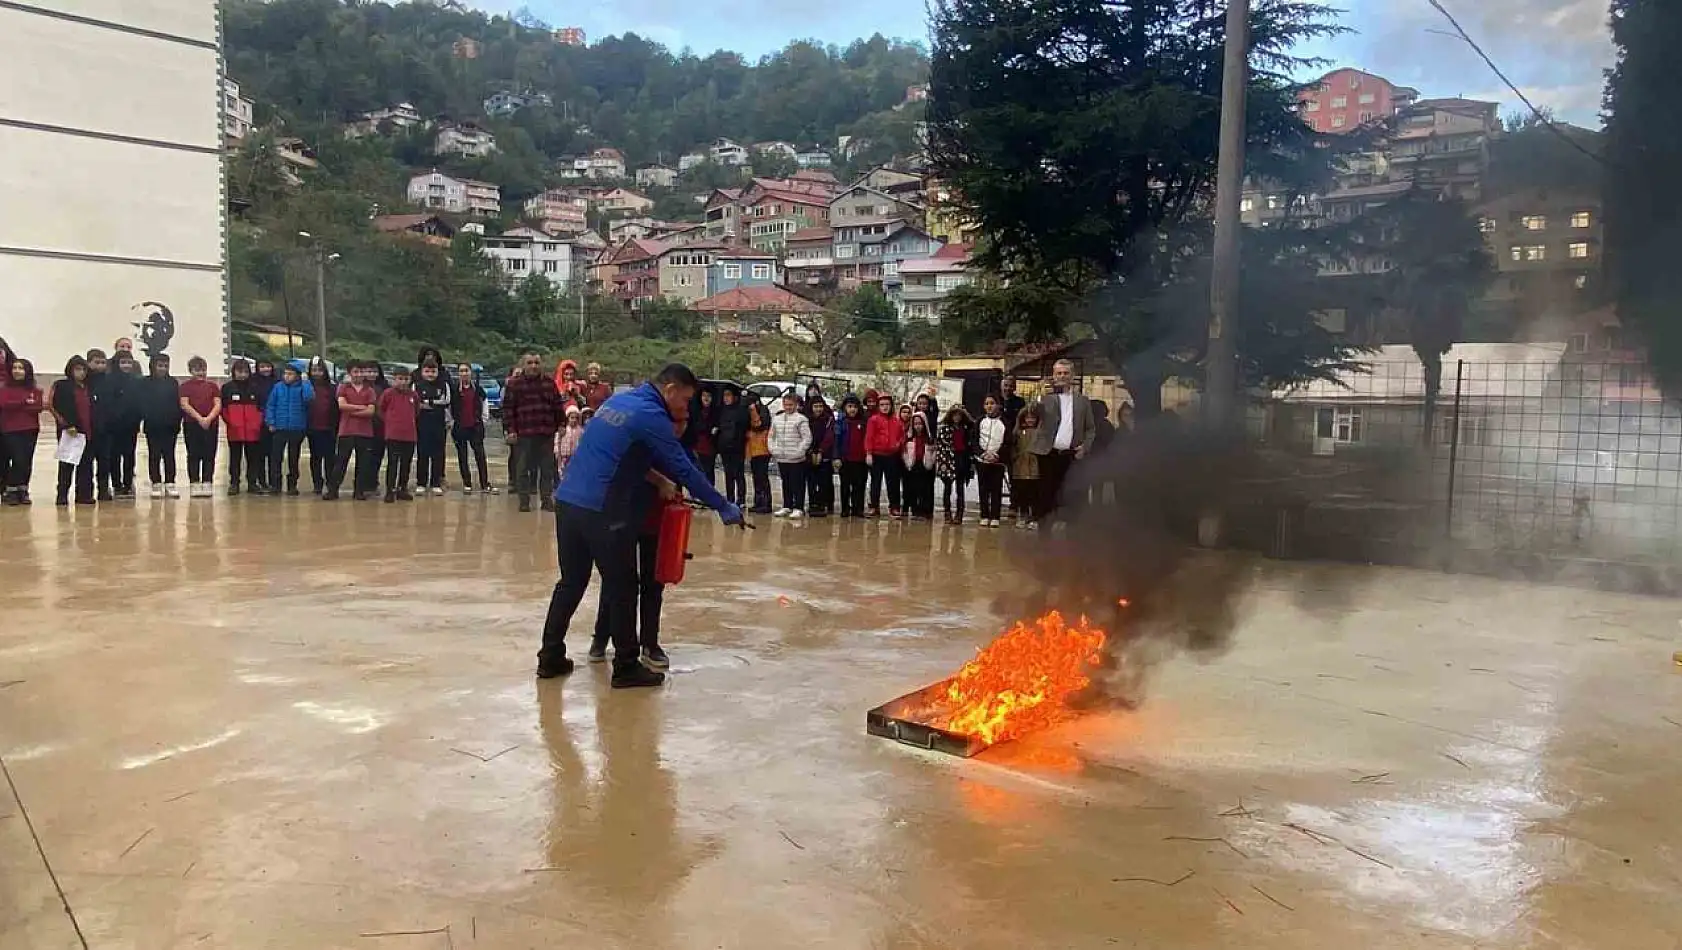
column 586, row 539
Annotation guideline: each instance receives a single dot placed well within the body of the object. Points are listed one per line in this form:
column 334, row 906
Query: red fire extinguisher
column 671, row 551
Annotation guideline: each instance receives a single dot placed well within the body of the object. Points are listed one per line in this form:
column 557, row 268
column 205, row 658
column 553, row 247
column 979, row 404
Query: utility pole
column 1220, row 377
column 321, row 302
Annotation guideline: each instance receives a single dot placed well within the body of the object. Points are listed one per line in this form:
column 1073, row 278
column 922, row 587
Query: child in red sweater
column 20, row 427
column 884, row 437
column 399, row 408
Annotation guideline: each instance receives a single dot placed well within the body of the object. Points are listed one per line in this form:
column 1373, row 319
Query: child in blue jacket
column 286, row 416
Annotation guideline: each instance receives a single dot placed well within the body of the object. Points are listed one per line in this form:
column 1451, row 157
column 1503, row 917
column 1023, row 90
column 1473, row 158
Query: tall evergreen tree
column 1082, row 139
column 1643, row 205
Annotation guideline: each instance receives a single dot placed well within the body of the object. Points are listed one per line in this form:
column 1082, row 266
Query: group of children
column 905, row 447
column 267, row 419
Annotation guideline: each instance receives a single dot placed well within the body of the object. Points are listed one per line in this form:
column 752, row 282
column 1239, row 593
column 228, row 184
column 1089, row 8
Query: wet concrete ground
column 282, row 723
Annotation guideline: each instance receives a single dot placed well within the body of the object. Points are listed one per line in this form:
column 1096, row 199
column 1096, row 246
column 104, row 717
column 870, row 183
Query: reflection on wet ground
column 287, row 724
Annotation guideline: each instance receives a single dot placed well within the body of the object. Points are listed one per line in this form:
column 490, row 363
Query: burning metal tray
column 894, row 720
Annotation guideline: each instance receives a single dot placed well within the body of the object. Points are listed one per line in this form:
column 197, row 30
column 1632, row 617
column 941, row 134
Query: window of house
column 551, row 267
column 1313, row 105
column 762, row 272
column 1579, row 250
column 1535, row 252
column 1367, row 99
column 1534, row 222
column 1340, row 425
column 1340, row 102
column 1366, row 116
column 732, row 271
column 950, row 281
column 1580, row 219
column 1354, row 82
column 685, row 280
column 845, row 250
column 1274, row 202
column 891, row 269
column 1473, row 430
column 873, row 250
column 516, row 264
column 1247, row 205
column 1337, row 121
column 1486, row 225
column 1517, row 252
column 1581, row 281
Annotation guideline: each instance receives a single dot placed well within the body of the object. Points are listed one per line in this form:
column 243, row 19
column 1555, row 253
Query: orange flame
column 1022, row 681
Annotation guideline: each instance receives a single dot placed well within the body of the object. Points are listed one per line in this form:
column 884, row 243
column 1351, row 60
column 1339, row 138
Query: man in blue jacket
column 286, row 417
column 601, row 504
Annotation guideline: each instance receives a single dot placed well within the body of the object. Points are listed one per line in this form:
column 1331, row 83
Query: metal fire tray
column 890, row 721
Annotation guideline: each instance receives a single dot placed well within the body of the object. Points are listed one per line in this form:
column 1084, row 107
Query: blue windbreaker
column 631, row 433
column 288, row 409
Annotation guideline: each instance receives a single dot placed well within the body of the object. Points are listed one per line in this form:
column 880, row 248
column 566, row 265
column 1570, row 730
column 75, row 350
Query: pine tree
column 1643, row 204
column 1082, row 139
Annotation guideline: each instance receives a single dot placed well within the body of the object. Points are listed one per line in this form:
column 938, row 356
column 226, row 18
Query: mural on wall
column 156, row 330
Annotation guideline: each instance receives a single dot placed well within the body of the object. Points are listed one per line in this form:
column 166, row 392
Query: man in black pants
column 1066, row 435
column 602, row 505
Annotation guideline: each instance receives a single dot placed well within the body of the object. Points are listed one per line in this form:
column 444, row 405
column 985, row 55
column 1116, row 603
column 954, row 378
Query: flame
column 1022, row 681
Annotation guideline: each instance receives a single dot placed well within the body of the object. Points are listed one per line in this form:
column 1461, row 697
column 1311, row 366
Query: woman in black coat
column 732, row 444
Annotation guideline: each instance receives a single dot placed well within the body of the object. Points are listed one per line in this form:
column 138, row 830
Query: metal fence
column 1558, row 459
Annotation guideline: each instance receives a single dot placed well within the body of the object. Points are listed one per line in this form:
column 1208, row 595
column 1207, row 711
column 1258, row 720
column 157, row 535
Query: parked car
column 773, row 390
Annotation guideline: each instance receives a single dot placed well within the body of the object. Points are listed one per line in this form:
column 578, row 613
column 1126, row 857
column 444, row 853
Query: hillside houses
column 465, row 139
column 437, row 191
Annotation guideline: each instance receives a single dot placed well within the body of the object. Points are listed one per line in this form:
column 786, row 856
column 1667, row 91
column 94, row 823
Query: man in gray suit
column 1066, row 434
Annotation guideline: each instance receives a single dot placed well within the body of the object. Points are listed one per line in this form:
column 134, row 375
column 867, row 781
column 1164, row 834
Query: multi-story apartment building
column 504, row 103
column 633, row 270
column 236, row 112
column 608, row 163
column 722, row 212
column 1443, row 144
column 862, row 202
column 558, row 211
column 656, row 176
column 527, row 252
column 441, row 192
column 926, row 283
column 401, row 116
column 1547, row 245
column 809, row 260
column 463, row 139
column 622, row 200
column 570, row 36
column 1346, row 99
column 871, row 250
column 691, row 272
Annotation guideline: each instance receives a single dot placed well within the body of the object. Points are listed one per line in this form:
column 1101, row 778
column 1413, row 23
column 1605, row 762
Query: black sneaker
column 106, row 496
column 292, row 492
column 558, row 668
column 655, row 658
column 635, row 676
column 548, row 504
column 390, row 497
column 329, row 495
column 525, row 503
column 598, row 651
column 233, row 491
column 356, row 496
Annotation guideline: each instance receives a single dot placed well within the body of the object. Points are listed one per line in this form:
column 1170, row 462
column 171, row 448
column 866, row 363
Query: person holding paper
column 72, row 406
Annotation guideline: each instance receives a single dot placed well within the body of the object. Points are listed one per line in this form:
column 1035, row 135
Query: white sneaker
column 782, row 512
column 796, row 514
column 171, row 492
column 493, row 490
column 467, row 489
column 157, row 491
column 439, row 490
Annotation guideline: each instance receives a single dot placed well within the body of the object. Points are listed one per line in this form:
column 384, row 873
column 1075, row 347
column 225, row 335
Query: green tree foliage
column 316, row 62
column 1439, row 267
column 834, row 328
column 1643, row 207
column 1083, row 141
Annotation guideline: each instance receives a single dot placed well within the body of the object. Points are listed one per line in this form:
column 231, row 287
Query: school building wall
column 111, row 162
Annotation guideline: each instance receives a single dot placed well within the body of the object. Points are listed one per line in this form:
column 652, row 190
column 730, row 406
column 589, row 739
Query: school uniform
column 160, row 417
column 433, row 400
column 400, row 409
column 471, row 410
column 20, row 430
column 201, row 440
column 73, row 406
column 356, row 438
column 322, row 431
column 850, row 449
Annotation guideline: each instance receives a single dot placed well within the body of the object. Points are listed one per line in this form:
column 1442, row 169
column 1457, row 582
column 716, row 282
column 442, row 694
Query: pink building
column 1346, row 99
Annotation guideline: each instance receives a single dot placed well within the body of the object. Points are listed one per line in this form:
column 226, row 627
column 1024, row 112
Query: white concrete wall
column 111, row 164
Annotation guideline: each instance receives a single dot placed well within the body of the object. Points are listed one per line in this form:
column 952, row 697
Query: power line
column 1460, row 33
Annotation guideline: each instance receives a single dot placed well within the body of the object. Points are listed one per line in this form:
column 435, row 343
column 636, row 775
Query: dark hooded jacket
column 160, row 401
column 732, row 428
column 119, row 397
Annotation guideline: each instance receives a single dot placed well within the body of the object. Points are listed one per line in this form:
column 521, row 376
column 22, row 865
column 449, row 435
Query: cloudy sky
column 1555, row 50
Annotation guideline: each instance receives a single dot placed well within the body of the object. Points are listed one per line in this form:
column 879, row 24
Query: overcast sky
column 1555, row 50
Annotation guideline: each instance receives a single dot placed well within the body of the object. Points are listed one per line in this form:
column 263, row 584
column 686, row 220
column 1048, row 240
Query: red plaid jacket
column 532, row 406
